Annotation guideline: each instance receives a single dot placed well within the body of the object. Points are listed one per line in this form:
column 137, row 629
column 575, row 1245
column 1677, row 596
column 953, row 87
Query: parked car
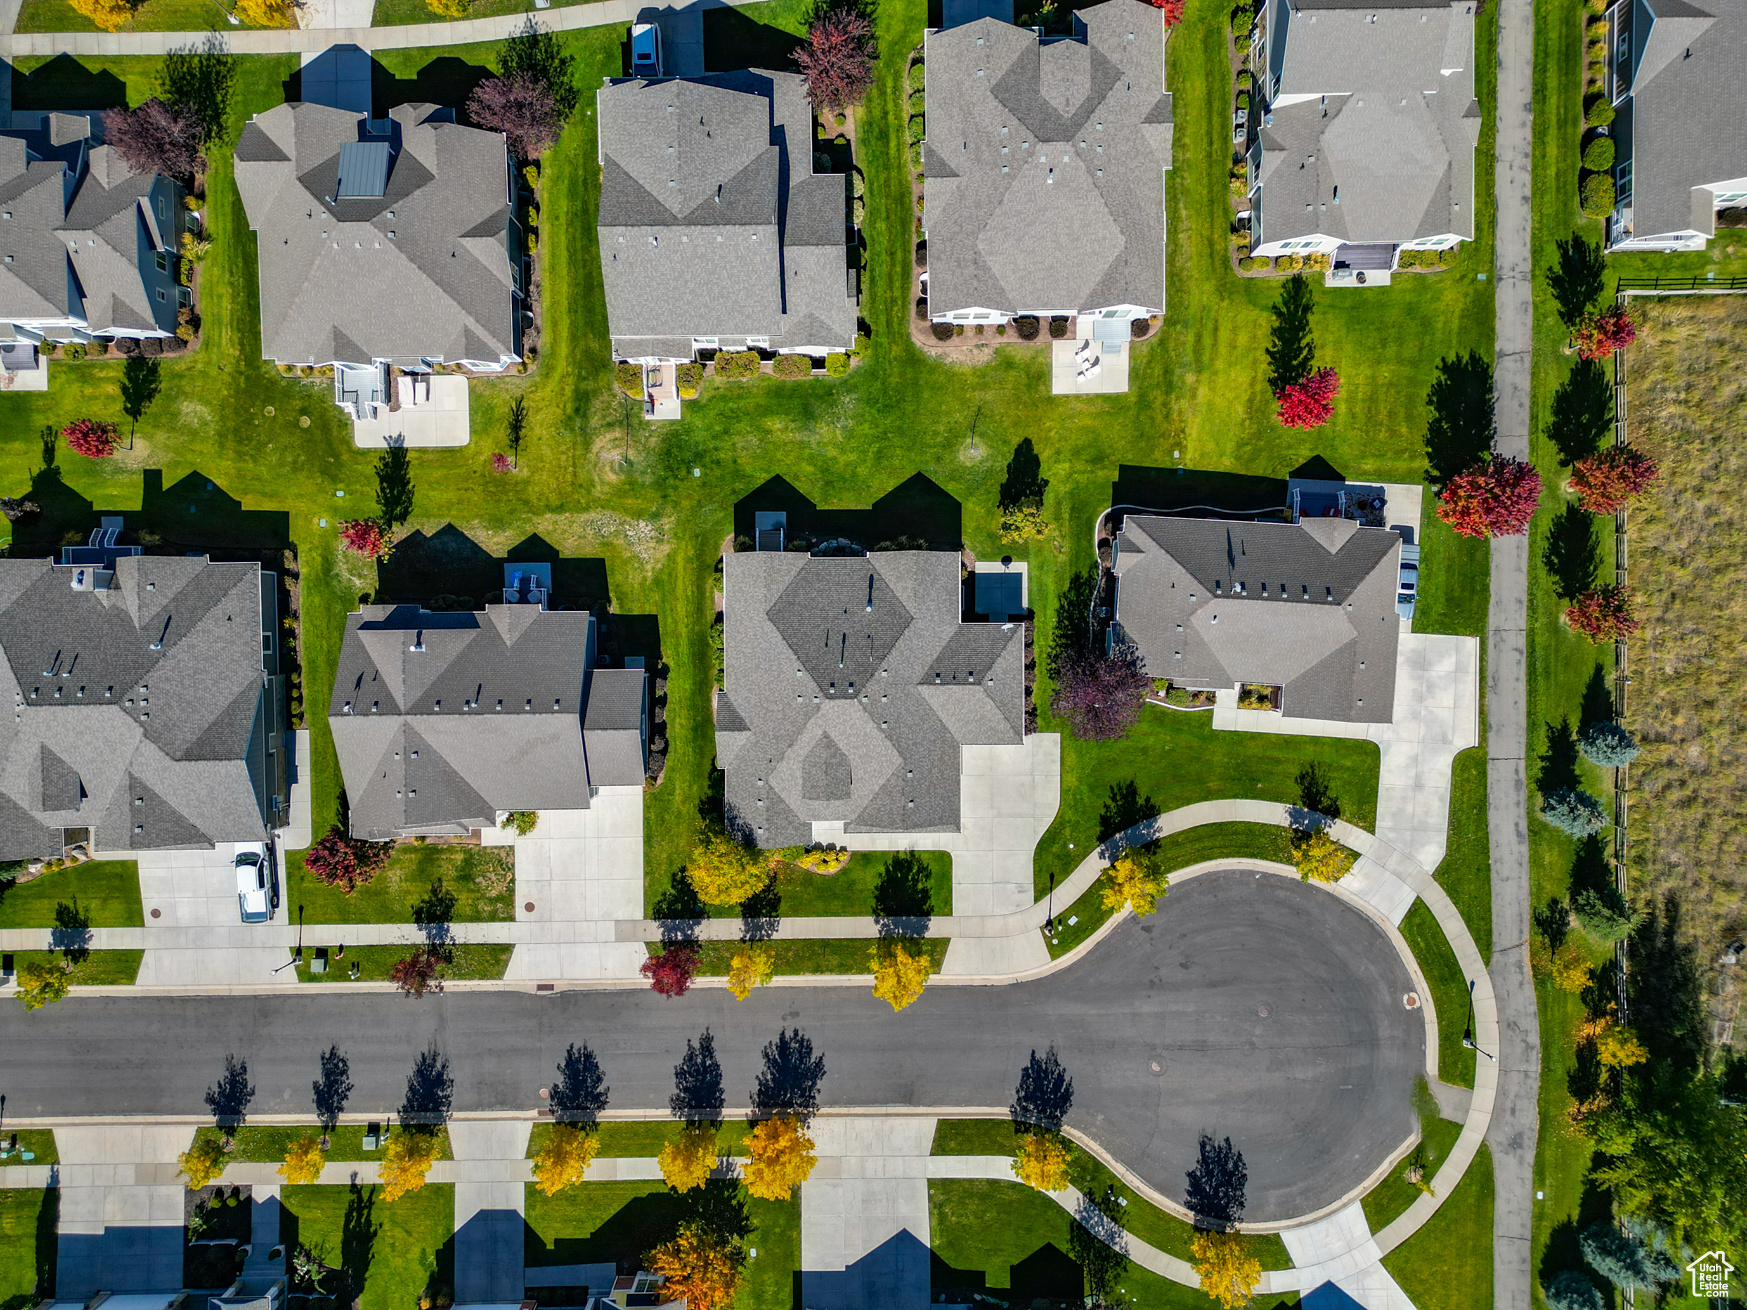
column 1407, row 591
column 645, row 50
column 257, row 882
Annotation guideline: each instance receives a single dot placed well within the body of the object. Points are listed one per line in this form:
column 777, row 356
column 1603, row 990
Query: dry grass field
column 1687, row 407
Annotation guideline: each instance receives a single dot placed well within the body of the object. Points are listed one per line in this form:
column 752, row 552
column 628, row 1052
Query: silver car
column 1407, row 591
column 257, row 882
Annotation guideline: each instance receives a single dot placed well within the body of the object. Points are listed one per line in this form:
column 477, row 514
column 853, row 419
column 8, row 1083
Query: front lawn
column 392, row 1252
column 1390, row 1199
column 642, row 1139
column 150, row 16
column 28, row 1218
column 481, row 879
column 1449, row 993
column 1465, row 872
column 1447, row 1265
column 105, row 892
column 849, row 891
column 374, row 963
column 98, row 969
column 268, row 1143
column 812, row 955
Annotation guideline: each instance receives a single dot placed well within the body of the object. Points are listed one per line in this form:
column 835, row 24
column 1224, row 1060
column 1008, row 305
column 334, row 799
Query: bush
column 922, row 307
column 943, row 331
column 1608, row 745
column 90, row 437
column 522, row 822
column 1598, row 195
column 1058, row 327
column 1573, row 812
column 1616, row 1257
column 670, row 973
column 792, row 366
column 1599, row 154
column 73, row 350
column 737, row 366
column 1027, row 326
column 922, row 255
column 1599, row 113
column 858, row 211
column 918, row 102
column 688, row 378
column 338, row 860
column 916, row 155
column 837, row 364
column 917, row 128
column 1572, row 1290
column 1604, row 914
column 629, row 378
column 917, row 76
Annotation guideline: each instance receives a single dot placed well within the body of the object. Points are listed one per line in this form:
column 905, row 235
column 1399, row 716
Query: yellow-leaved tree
column 1134, row 880
column 1570, row 970
column 781, row 1158
column 900, row 976
column 753, row 965
column 107, row 14
column 202, row 1162
column 1320, row 858
column 266, row 13
column 407, row 1157
column 303, row 1161
column 1042, row 1161
column 687, row 1159
column 41, row 983
column 1229, row 1270
column 1619, row 1048
column 724, row 871
column 702, row 1265
column 564, row 1158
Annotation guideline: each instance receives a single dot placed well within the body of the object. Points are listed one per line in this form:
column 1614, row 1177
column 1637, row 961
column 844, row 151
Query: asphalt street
column 1271, row 1010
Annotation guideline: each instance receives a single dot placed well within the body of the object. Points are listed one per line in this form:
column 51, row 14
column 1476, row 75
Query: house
column 1680, row 120
column 89, row 245
column 718, row 229
column 1367, row 130
column 1044, row 168
column 149, row 708
column 384, row 243
column 443, row 721
column 1305, row 608
column 889, row 684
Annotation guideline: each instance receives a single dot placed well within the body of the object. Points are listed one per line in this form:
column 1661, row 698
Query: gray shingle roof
column 149, row 748
column 614, row 728
column 712, row 221
column 868, row 730
column 1045, row 164
column 1687, row 118
column 1375, row 104
column 1309, row 607
column 423, row 271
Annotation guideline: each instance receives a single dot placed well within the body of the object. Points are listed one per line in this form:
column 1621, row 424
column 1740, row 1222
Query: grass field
column 467, row 961
column 816, row 955
column 149, row 16
column 105, row 892
column 1449, row 992
column 482, row 880
column 27, row 1244
column 269, row 1142
column 1390, row 1199
column 39, row 1141
column 1447, row 1265
column 98, row 969
column 849, row 891
column 1465, row 873
column 392, row 1252
column 643, row 1139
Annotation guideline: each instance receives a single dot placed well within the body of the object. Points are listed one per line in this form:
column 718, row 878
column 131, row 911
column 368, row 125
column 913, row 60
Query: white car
column 257, row 882
column 645, row 50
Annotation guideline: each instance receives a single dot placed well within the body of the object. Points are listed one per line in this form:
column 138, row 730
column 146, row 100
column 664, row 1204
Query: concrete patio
column 1069, row 374
column 433, row 414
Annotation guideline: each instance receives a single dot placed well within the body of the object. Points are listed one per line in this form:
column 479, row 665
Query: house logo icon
column 1710, row 1274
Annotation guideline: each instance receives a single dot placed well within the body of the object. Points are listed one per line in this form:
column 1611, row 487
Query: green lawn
column 481, row 878
column 849, row 891
column 99, row 969
column 269, row 1142
column 1449, row 993
column 643, row 1138
column 1465, row 873
column 150, row 16
column 468, row 961
column 814, row 955
column 106, row 892
column 39, row 1141
column 394, row 1250
column 27, row 1244
column 1390, row 1199
column 1447, row 1265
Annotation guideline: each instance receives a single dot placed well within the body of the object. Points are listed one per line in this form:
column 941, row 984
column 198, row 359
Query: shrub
column 1024, row 523
column 917, row 128
column 155, row 138
column 792, row 366
column 501, row 463
column 1597, row 195
column 1603, row 614
column 837, row 364
column 1607, row 480
column 1599, row 154
column 107, row 14
column 1604, row 914
column 918, row 102
column 943, row 332
column 1600, row 112
column 1495, row 498
column 736, row 366
column 1310, row 403
column 366, row 537
column 1173, row 10
column 917, row 77
column 93, row 438
column 629, row 379
column 1027, row 326
column 202, row 1162
column 688, row 378
column 670, row 974
column 266, row 13
column 1608, row 745
column 837, row 59
column 337, row 860
column 1572, row 1290
column 1603, row 333
column 419, row 972
column 1573, row 812
column 73, row 350
column 1058, row 327
column 916, row 155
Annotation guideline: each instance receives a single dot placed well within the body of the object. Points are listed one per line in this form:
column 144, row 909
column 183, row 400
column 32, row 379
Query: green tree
column 394, row 487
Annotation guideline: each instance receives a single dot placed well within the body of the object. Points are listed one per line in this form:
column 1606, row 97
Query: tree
column 1100, row 695
column 670, row 973
column 1319, row 857
column 1618, row 1047
column 1494, row 498
column 687, row 1160
column 266, row 13
column 753, row 965
column 1570, row 971
column 1605, row 332
column 837, row 59
column 781, row 1157
column 1042, row 1160
column 1572, row 1290
column 140, row 385
column 202, row 1162
column 1227, row 1266
column 1608, row 745
column 1310, row 403
column 1573, row 812
column 1291, row 348
column 304, row 1161
column 1603, row 614
column 155, row 138
column 538, row 56
column 41, row 982
column 564, row 1159
column 1607, row 480
column 394, row 487
column 1677, row 1150
column 1135, row 880
column 407, row 1157
column 366, row 537
column 110, row 15
column 1173, row 10
column 421, row 971
column 522, row 109
column 93, row 438
column 725, row 871
column 1619, row 1258
column 1604, row 914
column 900, row 976
column 702, row 1264
column 339, row 860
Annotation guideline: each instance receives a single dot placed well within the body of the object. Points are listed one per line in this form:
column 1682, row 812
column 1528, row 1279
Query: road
column 1315, row 1092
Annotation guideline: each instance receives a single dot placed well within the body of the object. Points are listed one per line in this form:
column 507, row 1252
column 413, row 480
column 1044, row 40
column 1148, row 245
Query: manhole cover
column 1411, row 1001
column 1157, row 1068
column 1262, row 1010
column 157, row 914
column 545, row 1092
column 529, row 907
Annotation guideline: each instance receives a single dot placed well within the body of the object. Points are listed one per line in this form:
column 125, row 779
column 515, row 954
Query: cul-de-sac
column 873, row 654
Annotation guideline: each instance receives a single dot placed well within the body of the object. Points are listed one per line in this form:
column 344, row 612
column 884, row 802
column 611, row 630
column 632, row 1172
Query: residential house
column 719, row 229
column 149, row 712
column 889, row 684
column 1306, row 609
column 444, row 721
column 1044, row 168
column 89, row 247
column 1680, row 120
column 384, row 243
column 1367, row 128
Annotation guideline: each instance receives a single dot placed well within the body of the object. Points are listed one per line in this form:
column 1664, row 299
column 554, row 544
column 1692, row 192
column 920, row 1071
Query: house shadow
column 484, row 1258
column 897, row 1274
column 447, row 80
column 1209, row 493
column 64, row 83
column 917, row 514
column 733, row 41
column 638, row 1226
column 195, row 513
column 121, row 1258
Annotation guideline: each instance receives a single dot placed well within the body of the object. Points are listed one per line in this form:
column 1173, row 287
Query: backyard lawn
column 106, row 893
column 27, row 1244
column 392, row 1252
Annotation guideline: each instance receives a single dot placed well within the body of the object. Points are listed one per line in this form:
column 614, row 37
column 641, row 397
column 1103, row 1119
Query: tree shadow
column 1024, row 483
column 1098, row 1243
column 72, row 932
column 1553, row 922
column 1072, row 632
column 1582, row 415
column 1577, row 279
column 697, row 1082
column 358, row 1230
column 1124, row 808
column 733, row 41
column 1563, row 1251
column 1291, row 347
column 903, row 898
column 1572, row 553
column 1598, row 701
column 229, row 1097
column 1316, row 792
column 1044, row 1095
column 435, row 911
column 1215, row 1194
column 760, row 913
column 430, row 1090
column 333, row 1089
column 788, row 1084
column 140, row 384
column 200, row 79
column 1558, row 770
column 1586, row 1075
column 917, row 514
column 1666, row 990
column 580, row 1094
column 64, row 83
column 1459, row 431
column 679, row 909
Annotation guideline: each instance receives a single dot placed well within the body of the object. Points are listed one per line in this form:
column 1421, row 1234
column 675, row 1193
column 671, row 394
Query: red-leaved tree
column 1495, row 498
column 156, row 138
column 1606, row 480
column 524, row 109
column 1603, row 333
column 339, row 860
column 671, row 972
column 1603, row 614
column 420, row 972
column 837, row 59
column 92, row 437
column 501, row 463
column 1173, row 10
column 366, row 537
column 1100, row 695
column 1310, row 403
